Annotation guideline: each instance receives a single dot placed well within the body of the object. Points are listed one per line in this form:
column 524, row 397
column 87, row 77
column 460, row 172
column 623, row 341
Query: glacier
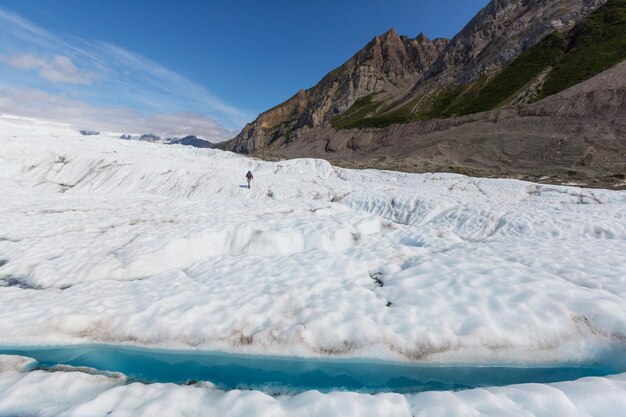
column 132, row 243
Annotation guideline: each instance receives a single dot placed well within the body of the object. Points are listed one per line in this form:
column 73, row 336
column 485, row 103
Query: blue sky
column 189, row 66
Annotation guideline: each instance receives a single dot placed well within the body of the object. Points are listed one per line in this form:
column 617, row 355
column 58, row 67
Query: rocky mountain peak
column 387, row 65
column 421, row 37
column 391, row 36
column 501, row 31
column 394, row 76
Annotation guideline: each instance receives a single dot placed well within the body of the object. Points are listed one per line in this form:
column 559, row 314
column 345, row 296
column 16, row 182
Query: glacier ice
column 112, row 241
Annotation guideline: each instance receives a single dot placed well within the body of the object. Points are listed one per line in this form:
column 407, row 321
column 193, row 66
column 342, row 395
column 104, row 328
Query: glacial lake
column 278, row 375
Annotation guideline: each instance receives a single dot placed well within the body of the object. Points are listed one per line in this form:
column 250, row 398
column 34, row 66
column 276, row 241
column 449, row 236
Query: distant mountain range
column 189, row 140
column 529, row 89
column 89, row 133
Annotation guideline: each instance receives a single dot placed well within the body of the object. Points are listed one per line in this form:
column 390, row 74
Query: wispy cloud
column 94, row 78
column 41, row 105
column 56, row 69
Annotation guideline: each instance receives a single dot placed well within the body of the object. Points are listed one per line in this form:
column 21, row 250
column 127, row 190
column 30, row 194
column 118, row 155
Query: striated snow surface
column 112, row 241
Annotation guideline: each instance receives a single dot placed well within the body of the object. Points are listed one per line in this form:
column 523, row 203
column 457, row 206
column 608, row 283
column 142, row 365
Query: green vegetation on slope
column 378, row 116
column 514, row 77
column 358, row 111
column 591, row 47
column 594, row 46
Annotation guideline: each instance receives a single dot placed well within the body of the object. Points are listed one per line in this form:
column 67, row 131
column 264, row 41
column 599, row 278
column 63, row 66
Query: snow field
column 111, row 241
column 106, row 240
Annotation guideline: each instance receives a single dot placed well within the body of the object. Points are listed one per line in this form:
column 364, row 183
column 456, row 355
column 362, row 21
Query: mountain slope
column 501, row 31
column 578, row 136
column 560, row 60
column 513, row 53
column 388, row 65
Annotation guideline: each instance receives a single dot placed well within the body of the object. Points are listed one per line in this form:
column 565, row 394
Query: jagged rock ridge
column 394, row 76
column 388, row 65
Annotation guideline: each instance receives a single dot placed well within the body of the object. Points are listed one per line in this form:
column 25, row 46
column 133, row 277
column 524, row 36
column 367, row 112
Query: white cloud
column 57, row 69
column 163, row 81
column 97, row 77
column 59, row 108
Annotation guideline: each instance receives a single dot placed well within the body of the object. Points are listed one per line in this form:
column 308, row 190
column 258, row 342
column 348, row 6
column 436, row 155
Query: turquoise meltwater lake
column 277, row 375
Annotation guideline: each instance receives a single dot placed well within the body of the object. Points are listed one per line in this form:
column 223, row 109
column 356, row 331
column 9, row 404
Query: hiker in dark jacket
column 249, row 177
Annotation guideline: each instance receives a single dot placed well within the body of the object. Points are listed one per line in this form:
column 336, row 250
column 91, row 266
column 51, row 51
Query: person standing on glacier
column 249, row 177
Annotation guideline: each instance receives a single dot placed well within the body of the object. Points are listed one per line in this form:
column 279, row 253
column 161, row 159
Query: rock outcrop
column 576, row 135
column 389, row 65
column 500, row 32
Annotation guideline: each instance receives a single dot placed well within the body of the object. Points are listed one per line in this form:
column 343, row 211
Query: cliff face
column 577, row 134
column 388, row 65
column 500, row 32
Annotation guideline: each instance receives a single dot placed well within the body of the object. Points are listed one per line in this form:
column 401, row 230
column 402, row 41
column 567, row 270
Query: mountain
column 494, row 100
column 388, row 65
column 150, row 137
column 191, row 141
column 89, row 133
